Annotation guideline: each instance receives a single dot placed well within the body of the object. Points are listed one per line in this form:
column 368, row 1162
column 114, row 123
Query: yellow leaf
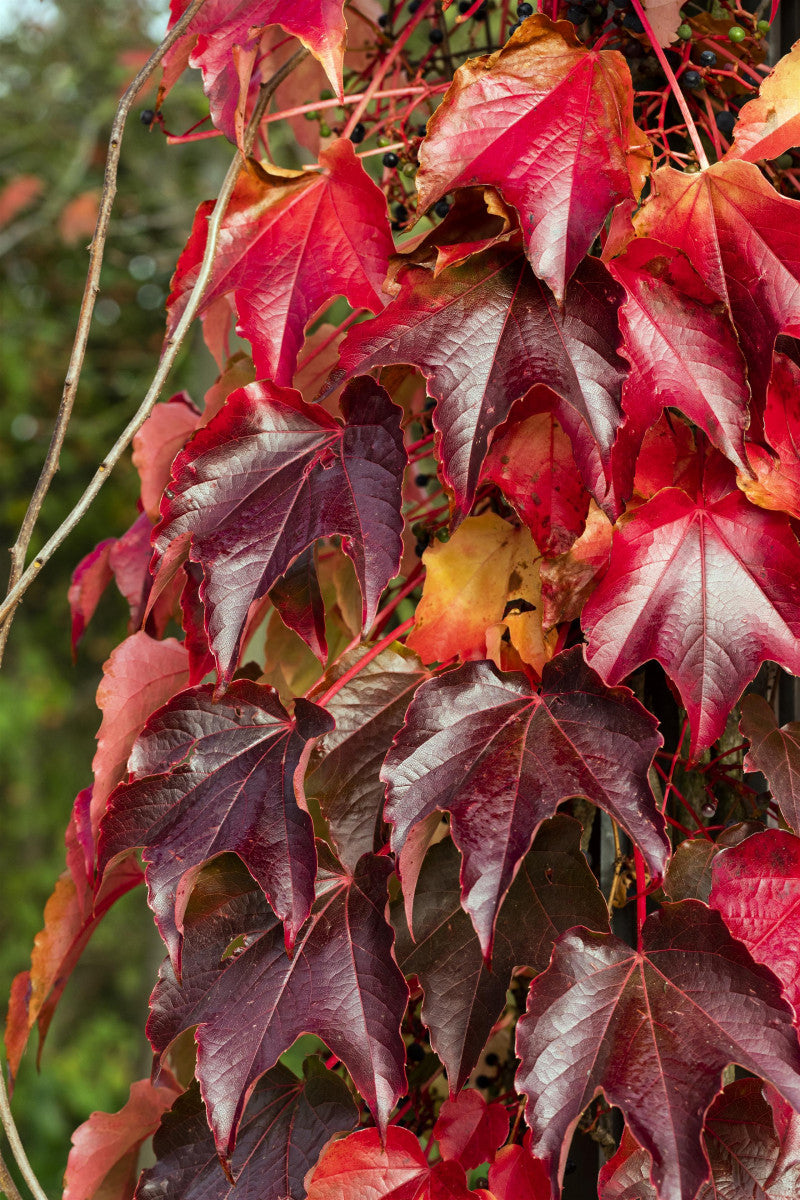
column 482, row 591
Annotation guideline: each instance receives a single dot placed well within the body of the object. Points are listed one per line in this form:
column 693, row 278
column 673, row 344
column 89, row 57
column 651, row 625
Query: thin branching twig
column 18, row 1150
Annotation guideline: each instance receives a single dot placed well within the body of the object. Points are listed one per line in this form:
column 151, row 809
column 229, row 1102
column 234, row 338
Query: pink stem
column 373, row 652
column 383, row 70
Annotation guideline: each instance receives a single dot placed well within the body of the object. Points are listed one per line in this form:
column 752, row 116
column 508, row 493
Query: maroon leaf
column 748, row 1156
column 554, row 889
column 501, row 758
column 300, row 475
column 285, row 1126
column 363, row 1166
column 707, row 586
column 469, row 1130
column 775, row 752
column 756, row 888
column 683, row 350
column 210, row 776
column 346, row 763
column 654, row 1030
column 105, row 1148
column 298, row 599
column 223, row 32
column 550, row 124
column 626, row 1175
column 287, row 246
column 342, row 984
column 485, row 331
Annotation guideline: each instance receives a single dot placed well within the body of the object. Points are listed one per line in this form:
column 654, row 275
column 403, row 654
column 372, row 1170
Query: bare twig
column 20, row 547
column 7, row 1185
column 169, row 353
column 18, row 1150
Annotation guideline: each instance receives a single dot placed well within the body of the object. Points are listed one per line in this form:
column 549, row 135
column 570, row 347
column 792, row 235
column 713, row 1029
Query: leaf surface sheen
column 267, row 478
column 710, row 588
column 289, row 243
column 550, row 125
column 501, row 757
column 360, row 1167
column 213, row 776
column 285, row 1127
column 469, row 1130
column 484, row 332
column 654, row 1030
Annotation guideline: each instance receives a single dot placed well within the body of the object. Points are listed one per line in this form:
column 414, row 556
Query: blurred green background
column 62, row 68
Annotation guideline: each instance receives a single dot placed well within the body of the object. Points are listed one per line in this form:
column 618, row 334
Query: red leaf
column 626, row 1175
column 300, row 475
column 345, row 774
column 501, row 757
column 554, row 889
column 710, row 588
column 287, row 246
column 469, row 1130
column 517, row 1175
column 531, row 462
column 654, row 1030
column 342, row 984
column 756, row 888
column 361, row 1167
column 298, row 599
column 777, row 479
column 775, row 752
column 221, row 29
column 683, row 350
column 569, row 579
column 749, row 1156
column 163, row 434
column 739, row 234
column 285, row 1126
column 496, row 126
column 210, row 776
column 110, row 1142
column 89, row 580
column 484, row 332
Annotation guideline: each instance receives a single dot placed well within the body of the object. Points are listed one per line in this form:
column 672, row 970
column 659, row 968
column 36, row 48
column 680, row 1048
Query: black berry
column 422, row 130
column 415, row 1053
column 691, row 79
column 441, row 208
column 464, row 6
column 390, row 159
column 492, row 1059
column 708, row 59
column 422, row 480
column 633, row 23
column 383, row 20
column 400, row 212
column 358, row 133
column 414, row 5
column 576, row 15
column 147, row 116
column 725, row 122
column 436, row 36
column 622, row 3
column 524, row 10
column 420, row 549
column 483, row 1081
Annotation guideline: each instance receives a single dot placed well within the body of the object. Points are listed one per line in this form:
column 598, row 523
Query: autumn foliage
column 470, row 555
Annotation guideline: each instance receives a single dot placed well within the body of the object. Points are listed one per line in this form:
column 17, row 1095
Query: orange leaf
column 770, row 123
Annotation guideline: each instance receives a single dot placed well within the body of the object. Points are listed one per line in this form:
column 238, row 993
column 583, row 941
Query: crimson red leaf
column 756, row 888
column 224, row 30
column 775, row 752
column 531, row 461
column 550, row 124
column 285, row 1126
column 517, row 1175
column 210, row 776
column 300, row 475
column 485, row 331
column 110, row 1142
column 89, row 581
column 346, row 762
column 362, row 1167
column 710, row 588
column 342, row 984
column 469, row 1130
column 554, row 889
column 287, row 246
column 683, row 350
column 501, row 757
column 654, row 1030
column 739, row 234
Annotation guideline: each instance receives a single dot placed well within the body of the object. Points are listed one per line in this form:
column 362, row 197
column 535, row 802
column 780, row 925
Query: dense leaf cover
column 501, row 520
